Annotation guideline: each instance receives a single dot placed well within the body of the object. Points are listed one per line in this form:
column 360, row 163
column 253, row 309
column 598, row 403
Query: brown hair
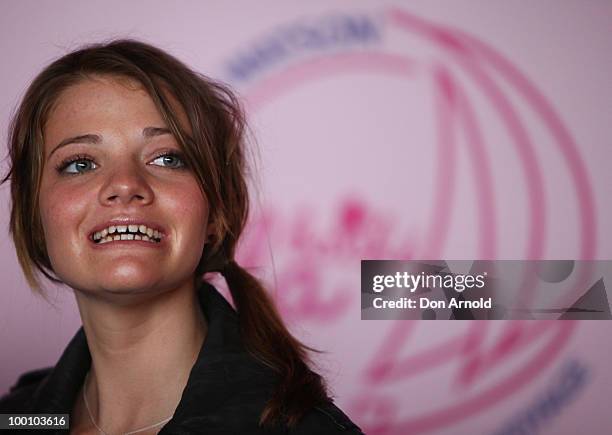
column 216, row 153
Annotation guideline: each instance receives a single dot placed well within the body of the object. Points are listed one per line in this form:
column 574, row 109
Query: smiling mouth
column 127, row 233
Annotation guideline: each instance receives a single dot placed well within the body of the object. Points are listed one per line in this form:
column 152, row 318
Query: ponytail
column 267, row 338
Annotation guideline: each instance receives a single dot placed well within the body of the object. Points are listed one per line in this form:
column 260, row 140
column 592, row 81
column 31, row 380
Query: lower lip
column 128, row 243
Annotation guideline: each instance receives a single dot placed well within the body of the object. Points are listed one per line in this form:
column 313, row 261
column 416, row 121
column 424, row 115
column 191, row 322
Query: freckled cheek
column 61, row 215
column 190, row 210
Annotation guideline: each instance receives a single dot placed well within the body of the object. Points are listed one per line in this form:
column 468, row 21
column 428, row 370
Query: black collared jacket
column 225, row 393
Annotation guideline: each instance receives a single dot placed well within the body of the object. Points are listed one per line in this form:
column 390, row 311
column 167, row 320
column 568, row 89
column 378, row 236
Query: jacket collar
column 222, row 364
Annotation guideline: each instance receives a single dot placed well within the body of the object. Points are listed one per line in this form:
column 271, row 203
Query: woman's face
column 111, row 165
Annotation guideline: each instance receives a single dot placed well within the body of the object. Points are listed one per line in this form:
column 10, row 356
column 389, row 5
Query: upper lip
column 127, row 220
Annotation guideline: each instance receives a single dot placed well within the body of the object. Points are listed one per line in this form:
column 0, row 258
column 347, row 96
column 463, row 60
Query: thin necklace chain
column 125, row 433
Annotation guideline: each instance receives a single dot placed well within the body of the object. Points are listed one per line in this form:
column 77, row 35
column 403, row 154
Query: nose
column 126, row 184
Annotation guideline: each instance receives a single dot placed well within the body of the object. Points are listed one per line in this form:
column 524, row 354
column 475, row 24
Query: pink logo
column 416, row 377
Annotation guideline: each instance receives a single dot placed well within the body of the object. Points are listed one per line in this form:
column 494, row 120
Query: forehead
column 108, row 103
column 96, row 94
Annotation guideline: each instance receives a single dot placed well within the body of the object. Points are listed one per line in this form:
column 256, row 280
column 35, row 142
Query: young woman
column 128, row 185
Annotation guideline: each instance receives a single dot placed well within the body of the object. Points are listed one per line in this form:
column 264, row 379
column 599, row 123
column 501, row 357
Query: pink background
column 454, row 130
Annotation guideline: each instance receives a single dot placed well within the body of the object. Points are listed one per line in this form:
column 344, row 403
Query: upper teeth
column 142, row 233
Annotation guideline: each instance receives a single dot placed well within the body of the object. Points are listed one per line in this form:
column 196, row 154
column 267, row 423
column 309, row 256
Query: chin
column 122, row 285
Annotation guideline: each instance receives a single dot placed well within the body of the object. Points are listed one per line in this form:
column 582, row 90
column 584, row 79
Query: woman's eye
column 78, row 166
column 170, row 160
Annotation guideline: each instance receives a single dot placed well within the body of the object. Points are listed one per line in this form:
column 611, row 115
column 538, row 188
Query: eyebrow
column 95, row 139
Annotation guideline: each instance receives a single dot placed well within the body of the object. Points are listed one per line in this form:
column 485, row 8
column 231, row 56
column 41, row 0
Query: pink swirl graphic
column 481, row 349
